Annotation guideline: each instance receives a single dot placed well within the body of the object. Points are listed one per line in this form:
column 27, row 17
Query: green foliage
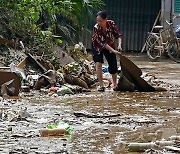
column 76, row 54
column 25, row 20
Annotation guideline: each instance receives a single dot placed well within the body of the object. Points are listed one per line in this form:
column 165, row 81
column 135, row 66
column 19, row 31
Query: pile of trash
column 38, row 74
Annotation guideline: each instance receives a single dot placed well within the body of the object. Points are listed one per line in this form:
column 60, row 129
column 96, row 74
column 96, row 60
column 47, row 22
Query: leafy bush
column 42, row 23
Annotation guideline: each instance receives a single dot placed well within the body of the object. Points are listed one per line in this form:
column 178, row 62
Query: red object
column 53, row 89
column 100, row 38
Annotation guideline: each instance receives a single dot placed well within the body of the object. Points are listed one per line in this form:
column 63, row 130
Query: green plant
column 36, row 22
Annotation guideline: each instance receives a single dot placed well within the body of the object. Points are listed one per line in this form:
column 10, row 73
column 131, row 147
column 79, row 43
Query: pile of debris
column 36, row 73
column 73, row 74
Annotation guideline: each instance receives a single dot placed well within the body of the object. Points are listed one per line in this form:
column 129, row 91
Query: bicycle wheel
column 174, row 51
column 153, row 44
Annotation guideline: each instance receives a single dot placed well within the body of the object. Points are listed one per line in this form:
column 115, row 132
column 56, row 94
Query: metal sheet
column 134, row 19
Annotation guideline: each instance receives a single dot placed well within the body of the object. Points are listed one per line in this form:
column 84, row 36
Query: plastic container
column 105, row 69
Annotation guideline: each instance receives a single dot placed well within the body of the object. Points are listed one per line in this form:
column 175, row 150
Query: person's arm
column 119, row 44
column 111, row 49
column 117, row 35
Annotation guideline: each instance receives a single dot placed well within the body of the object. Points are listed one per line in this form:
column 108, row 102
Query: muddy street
column 103, row 122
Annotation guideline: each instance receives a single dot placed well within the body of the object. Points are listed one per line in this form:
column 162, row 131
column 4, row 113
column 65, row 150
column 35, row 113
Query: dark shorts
column 110, row 57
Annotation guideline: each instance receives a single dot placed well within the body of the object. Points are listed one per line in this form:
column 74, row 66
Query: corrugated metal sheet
column 134, row 19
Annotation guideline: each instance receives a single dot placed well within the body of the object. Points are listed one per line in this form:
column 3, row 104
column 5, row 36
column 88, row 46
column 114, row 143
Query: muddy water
column 144, row 117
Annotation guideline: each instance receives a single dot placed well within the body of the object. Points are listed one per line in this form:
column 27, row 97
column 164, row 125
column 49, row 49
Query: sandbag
column 71, row 79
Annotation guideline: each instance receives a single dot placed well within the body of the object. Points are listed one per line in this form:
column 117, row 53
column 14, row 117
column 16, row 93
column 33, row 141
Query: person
column 103, row 36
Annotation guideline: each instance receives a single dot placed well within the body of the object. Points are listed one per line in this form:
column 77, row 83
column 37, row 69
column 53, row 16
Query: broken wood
column 80, row 114
column 6, row 76
column 32, row 59
column 8, row 88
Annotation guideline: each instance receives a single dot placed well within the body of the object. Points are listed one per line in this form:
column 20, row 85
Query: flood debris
column 33, row 62
column 169, row 145
column 60, row 129
column 74, row 80
column 77, row 89
column 9, row 83
column 124, row 84
column 41, row 74
column 47, row 80
column 140, row 147
column 78, row 73
column 172, row 148
column 61, row 57
column 8, row 88
column 15, row 115
column 131, row 78
column 37, row 73
column 80, row 114
column 133, row 73
column 52, row 132
column 64, row 90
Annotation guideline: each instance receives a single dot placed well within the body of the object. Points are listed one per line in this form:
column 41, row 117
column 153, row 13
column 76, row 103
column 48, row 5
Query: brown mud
column 142, row 117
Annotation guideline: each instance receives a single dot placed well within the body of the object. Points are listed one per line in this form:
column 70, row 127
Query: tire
column 174, row 51
column 152, row 51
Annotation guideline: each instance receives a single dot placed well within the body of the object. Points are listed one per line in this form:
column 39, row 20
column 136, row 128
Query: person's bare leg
column 99, row 73
column 114, row 80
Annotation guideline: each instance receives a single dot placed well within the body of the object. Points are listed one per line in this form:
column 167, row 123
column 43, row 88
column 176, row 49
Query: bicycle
column 164, row 42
